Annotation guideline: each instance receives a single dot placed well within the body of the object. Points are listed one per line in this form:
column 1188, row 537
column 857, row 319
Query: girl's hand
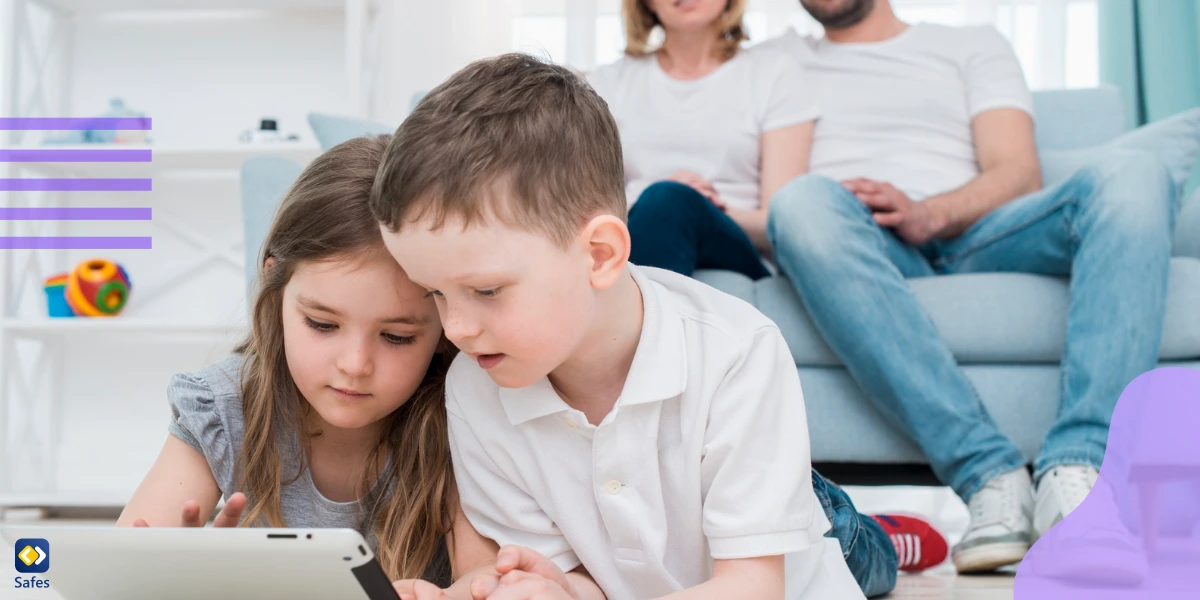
column 230, row 515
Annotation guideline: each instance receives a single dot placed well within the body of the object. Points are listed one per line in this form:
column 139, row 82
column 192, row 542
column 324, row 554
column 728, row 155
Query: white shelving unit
column 47, row 327
column 167, row 159
column 82, row 409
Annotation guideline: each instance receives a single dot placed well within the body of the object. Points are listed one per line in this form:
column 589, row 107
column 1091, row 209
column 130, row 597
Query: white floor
column 937, row 504
column 949, row 514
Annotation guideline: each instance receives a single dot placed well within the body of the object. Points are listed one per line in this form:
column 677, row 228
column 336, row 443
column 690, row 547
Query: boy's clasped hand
column 519, row 574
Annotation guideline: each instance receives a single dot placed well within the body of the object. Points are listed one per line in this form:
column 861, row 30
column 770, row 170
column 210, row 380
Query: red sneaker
column 918, row 543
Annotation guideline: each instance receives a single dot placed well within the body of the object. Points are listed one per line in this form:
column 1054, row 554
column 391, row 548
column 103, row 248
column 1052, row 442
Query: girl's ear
column 268, row 264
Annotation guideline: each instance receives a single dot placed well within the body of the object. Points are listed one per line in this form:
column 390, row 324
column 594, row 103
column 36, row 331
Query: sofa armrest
column 1187, row 227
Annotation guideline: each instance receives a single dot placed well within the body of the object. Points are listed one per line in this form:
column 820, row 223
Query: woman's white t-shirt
column 710, row 126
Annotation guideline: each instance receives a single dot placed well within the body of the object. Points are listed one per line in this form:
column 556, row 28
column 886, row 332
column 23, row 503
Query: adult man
column 923, row 164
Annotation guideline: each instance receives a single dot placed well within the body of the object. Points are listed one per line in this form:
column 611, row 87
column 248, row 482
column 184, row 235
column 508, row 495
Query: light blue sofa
column 1006, row 330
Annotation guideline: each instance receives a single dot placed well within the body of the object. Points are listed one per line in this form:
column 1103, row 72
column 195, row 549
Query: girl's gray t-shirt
column 206, row 413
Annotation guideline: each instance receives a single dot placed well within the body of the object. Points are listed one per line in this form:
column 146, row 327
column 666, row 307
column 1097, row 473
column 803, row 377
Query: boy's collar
column 658, row 372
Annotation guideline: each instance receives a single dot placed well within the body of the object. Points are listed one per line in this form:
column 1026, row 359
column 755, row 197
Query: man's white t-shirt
column 900, row 110
column 705, row 456
column 710, row 126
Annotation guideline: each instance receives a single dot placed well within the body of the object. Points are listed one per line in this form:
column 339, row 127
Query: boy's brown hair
column 510, row 137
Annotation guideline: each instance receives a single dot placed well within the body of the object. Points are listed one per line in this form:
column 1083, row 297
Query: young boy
column 641, row 430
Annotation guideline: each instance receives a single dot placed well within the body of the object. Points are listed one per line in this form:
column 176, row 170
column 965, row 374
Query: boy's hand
column 417, row 589
column 520, row 585
column 230, row 515
column 514, row 559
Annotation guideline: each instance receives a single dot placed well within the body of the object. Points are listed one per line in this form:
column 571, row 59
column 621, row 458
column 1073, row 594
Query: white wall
column 6, row 35
column 204, row 80
column 429, row 41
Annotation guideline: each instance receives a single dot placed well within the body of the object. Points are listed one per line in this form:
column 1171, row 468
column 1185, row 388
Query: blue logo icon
column 32, row 555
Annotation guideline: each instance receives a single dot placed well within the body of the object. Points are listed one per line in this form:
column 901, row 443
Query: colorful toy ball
column 56, row 299
column 96, row 288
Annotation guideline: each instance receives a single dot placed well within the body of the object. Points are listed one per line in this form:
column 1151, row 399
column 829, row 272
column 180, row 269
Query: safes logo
column 32, row 556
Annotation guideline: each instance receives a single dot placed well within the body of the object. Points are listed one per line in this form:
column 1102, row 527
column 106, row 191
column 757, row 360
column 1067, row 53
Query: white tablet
column 102, row 563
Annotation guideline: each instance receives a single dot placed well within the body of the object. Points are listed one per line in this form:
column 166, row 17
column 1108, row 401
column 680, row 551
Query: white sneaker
column 1099, row 550
column 1001, row 524
column 1059, row 492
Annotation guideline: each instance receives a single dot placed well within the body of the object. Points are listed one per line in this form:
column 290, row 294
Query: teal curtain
column 1150, row 49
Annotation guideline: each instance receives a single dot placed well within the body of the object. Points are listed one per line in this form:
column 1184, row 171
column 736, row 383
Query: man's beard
column 851, row 13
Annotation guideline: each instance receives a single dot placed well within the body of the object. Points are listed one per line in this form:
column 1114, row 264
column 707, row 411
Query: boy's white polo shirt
column 705, row 455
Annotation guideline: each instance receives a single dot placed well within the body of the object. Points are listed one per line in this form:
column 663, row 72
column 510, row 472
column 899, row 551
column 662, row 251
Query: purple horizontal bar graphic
column 81, row 124
column 75, row 214
column 74, row 243
column 75, row 185
column 51, row 155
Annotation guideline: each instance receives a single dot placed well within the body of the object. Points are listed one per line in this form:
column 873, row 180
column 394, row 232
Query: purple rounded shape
column 1124, row 542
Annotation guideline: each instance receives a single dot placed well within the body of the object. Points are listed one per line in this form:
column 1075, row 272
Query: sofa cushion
column 996, row 318
column 264, row 181
column 1078, row 118
column 845, row 427
column 1174, row 140
column 1187, row 228
column 331, row 130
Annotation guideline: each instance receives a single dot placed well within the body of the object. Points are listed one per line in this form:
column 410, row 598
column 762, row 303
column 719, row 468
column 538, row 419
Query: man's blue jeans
column 1108, row 227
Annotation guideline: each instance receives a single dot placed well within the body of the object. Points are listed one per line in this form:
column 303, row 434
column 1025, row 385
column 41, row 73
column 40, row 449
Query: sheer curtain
column 1056, row 40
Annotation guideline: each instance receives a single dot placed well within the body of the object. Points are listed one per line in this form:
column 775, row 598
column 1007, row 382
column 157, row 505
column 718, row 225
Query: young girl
column 331, row 413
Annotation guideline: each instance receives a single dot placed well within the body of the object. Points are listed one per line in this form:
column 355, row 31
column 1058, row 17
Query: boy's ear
column 606, row 240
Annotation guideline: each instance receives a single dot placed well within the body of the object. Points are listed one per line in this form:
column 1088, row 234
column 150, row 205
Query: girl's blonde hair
column 640, row 22
column 325, row 217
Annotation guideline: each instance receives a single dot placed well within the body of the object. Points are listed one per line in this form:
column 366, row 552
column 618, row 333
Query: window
column 1055, row 40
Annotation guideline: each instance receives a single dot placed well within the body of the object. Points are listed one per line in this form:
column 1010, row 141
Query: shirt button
column 613, row 487
column 570, row 423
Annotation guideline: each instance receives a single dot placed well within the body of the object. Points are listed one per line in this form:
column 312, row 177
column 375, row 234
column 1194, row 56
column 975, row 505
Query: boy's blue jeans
column 1108, row 227
column 866, row 547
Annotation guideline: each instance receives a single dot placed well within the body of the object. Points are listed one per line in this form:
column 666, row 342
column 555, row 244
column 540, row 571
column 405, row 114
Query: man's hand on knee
column 913, row 222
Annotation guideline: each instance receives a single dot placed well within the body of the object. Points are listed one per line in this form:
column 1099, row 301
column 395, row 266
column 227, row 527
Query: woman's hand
column 230, row 515
column 700, row 184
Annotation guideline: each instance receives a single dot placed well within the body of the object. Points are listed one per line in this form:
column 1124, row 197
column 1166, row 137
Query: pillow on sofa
column 331, row 130
column 1175, row 140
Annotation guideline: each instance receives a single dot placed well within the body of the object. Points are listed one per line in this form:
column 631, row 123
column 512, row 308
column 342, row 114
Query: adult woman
column 709, row 131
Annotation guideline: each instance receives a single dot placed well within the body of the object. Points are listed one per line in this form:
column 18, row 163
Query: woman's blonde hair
column 408, row 483
column 640, row 22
